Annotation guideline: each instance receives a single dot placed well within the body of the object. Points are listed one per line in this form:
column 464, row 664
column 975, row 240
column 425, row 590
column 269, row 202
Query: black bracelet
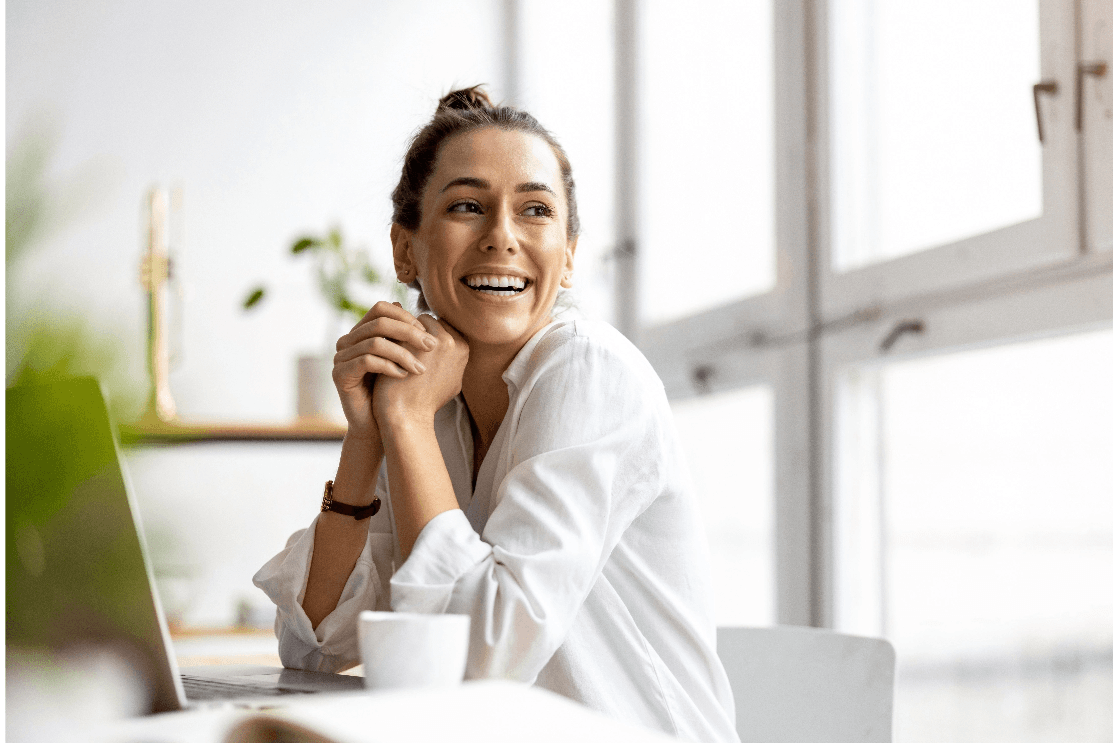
column 358, row 512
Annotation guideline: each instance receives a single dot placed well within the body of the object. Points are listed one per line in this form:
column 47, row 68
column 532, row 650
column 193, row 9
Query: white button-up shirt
column 579, row 555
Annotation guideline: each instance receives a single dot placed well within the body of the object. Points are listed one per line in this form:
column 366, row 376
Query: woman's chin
column 494, row 324
column 500, row 332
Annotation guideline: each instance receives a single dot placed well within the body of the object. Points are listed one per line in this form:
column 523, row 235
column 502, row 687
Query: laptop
column 77, row 568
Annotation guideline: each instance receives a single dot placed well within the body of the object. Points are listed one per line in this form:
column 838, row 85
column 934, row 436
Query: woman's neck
column 485, row 391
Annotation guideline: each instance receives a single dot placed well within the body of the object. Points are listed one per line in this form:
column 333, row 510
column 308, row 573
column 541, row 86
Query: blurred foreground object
column 45, row 341
column 54, row 698
column 77, row 580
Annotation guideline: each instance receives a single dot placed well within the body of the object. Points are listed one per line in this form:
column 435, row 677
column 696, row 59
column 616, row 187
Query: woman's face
column 492, row 247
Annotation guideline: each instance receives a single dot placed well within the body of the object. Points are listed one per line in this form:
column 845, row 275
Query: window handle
column 1097, row 69
column 914, row 327
column 1043, row 86
column 701, row 378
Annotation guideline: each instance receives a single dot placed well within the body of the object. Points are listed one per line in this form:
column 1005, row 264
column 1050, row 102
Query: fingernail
column 420, row 367
column 429, row 342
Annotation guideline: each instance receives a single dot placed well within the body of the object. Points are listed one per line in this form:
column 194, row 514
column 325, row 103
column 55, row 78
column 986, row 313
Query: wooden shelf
column 163, row 432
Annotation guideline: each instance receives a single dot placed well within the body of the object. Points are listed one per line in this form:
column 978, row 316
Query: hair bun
column 466, row 99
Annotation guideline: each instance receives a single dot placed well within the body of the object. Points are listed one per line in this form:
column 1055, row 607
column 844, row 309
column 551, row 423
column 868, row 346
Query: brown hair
column 458, row 112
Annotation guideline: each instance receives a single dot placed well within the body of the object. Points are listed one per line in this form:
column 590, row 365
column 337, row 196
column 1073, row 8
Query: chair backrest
column 801, row 684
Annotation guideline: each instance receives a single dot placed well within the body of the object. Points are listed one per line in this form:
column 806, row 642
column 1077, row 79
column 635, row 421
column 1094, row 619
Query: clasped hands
column 393, row 368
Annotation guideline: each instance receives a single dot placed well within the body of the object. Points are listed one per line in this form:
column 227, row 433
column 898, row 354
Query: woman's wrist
column 358, row 471
column 396, row 418
column 368, row 441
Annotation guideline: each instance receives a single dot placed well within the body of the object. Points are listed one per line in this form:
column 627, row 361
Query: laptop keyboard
column 199, row 689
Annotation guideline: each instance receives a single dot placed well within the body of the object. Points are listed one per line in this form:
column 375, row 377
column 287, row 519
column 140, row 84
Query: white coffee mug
column 401, row 649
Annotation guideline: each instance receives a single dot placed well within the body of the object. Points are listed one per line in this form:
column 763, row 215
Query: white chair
column 797, row 684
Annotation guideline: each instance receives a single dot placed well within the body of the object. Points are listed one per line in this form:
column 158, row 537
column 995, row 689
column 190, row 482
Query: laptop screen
column 76, row 570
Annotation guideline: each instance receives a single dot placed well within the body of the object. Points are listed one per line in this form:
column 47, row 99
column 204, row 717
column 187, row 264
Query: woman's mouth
column 496, row 286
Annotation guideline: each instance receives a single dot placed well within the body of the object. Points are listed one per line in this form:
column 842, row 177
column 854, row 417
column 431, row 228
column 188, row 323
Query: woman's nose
column 502, row 235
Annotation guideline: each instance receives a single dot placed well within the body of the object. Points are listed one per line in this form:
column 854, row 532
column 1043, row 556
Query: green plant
column 46, row 341
column 339, row 271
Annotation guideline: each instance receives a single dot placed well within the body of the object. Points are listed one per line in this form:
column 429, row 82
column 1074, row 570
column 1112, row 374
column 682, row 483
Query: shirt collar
column 516, row 372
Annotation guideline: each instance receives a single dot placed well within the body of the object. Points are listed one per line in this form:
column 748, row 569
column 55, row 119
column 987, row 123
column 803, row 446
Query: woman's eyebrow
column 467, row 181
column 533, row 186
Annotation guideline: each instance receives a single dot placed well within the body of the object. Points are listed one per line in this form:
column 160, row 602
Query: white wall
column 275, row 118
column 214, row 513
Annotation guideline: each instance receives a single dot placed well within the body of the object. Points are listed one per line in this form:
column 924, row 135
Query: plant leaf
column 333, row 290
column 347, row 305
column 304, row 244
column 335, row 239
column 254, row 297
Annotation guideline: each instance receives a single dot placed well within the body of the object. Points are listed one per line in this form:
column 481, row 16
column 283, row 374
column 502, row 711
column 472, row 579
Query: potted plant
column 342, row 273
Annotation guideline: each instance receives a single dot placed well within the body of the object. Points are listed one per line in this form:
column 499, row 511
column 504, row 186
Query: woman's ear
column 404, row 265
column 569, row 259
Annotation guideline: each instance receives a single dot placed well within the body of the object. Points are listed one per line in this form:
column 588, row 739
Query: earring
column 406, row 275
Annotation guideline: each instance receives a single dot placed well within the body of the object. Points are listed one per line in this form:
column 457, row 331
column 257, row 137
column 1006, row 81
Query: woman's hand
column 419, row 396
column 380, row 346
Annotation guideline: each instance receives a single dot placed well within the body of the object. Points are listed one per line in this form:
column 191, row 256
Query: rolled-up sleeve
column 334, row 645
column 582, row 465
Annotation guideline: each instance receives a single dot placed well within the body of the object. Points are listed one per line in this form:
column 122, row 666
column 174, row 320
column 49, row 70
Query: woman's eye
column 538, row 210
column 466, row 207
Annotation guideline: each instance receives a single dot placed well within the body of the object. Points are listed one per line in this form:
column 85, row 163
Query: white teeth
column 485, row 283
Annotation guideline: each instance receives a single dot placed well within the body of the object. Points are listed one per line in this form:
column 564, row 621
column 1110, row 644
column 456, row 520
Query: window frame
column 1095, row 44
column 1046, row 240
column 1046, row 305
column 815, row 323
column 761, row 339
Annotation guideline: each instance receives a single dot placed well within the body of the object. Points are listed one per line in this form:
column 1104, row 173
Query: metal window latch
column 1097, row 68
column 1050, row 87
column 902, row 327
column 701, row 378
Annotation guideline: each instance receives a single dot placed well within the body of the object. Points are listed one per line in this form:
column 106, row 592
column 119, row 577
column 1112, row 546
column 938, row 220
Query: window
column 941, row 300
column 707, row 155
column 984, row 547
column 937, row 176
column 932, row 137
column 728, row 443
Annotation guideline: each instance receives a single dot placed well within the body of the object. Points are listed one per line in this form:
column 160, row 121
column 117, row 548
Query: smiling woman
column 494, row 212
column 503, row 463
